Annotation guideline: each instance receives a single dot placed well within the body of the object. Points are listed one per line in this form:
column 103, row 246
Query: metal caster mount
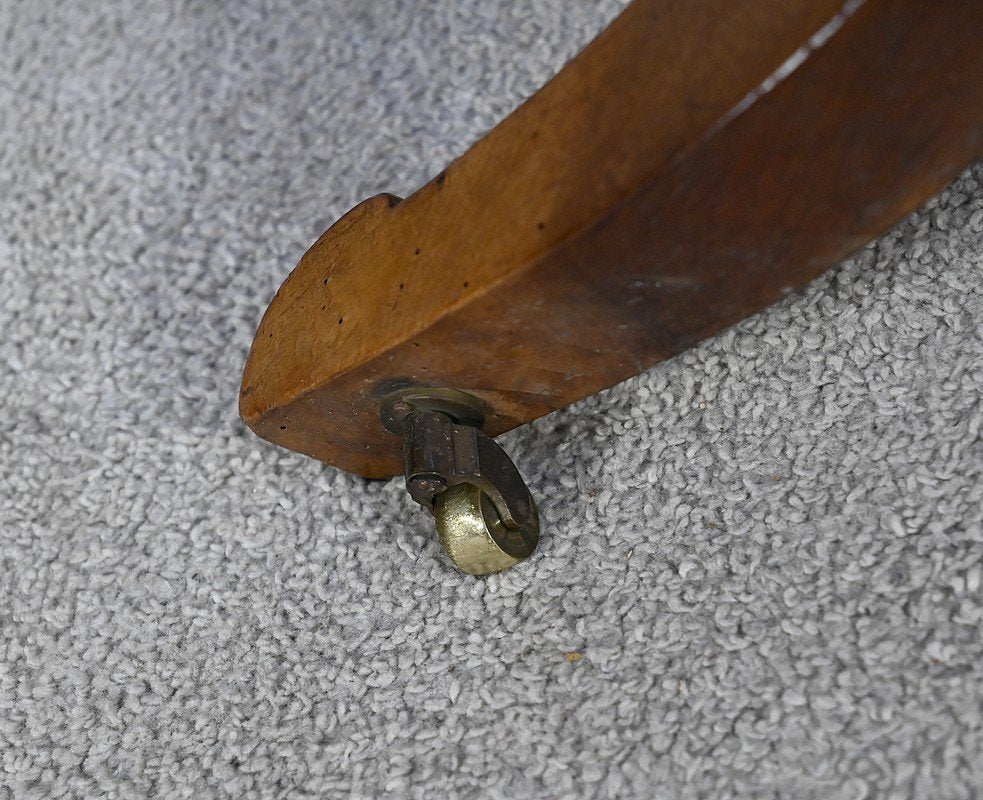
column 486, row 518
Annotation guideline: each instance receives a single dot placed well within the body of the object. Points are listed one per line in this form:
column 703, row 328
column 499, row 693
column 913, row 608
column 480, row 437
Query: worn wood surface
column 695, row 162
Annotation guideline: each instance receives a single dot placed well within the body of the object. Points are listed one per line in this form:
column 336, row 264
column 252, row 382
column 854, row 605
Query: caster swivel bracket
column 486, row 518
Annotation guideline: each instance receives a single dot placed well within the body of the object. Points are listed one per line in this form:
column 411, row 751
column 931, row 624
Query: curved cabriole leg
column 692, row 165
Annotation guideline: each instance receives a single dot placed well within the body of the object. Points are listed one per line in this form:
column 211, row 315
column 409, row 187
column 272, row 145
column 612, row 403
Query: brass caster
column 486, row 518
column 472, row 532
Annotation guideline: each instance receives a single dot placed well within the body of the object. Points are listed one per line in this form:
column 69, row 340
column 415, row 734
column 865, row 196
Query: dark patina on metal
column 443, row 448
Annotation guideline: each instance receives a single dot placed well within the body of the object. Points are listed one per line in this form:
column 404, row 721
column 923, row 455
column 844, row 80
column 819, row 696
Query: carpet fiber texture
column 761, row 569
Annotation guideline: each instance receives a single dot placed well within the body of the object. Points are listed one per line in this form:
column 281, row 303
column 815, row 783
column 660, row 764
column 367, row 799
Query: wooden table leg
column 691, row 165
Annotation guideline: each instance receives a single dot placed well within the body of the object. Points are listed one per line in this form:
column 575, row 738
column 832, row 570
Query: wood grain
column 695, row 162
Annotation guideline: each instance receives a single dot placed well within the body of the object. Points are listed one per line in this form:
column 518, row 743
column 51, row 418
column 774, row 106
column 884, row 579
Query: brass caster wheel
column 486, row 517
column 473, row 535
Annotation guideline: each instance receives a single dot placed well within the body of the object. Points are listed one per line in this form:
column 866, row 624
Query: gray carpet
column 761, row 570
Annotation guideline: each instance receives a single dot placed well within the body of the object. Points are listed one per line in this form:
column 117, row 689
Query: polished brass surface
column 473, row 534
